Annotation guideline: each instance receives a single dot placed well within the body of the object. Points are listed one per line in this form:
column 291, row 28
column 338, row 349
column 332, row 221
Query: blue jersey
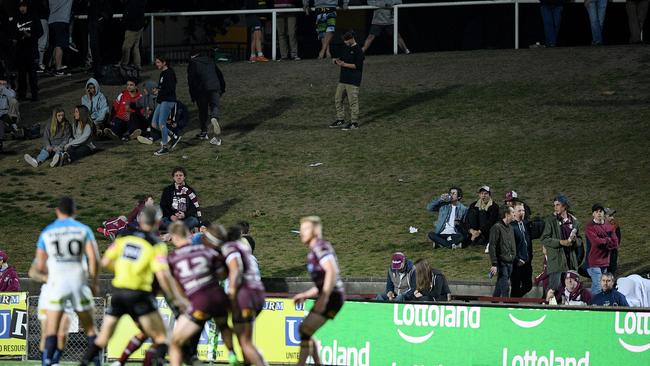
column 64, row 241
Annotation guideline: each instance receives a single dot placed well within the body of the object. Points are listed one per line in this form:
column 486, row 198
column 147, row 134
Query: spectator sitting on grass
column 179, row 202
column 55, row 137
column 9, row 281
column 481, row 215
column 128, row 121
column 96, row 104
column 609, row 296
column 571, row 293
column 400, row 282
column 448, row 231
column 9, row 111
column 431, row 284
column 81, row 143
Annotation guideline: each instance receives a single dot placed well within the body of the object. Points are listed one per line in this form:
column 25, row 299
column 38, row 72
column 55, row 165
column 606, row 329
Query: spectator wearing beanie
column 571, row 293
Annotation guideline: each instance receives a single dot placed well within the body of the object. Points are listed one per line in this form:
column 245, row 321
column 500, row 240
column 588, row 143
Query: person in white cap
column 481, row 216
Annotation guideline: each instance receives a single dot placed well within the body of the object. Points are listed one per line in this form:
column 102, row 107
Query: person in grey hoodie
column 325, row 21
column 55, row 137
column 81, row 143
column 206, row 85
column 96, row 103
column 400, row 281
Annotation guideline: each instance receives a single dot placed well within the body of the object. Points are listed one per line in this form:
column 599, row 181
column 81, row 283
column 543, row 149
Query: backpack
column 33, row 132
column 118, row 74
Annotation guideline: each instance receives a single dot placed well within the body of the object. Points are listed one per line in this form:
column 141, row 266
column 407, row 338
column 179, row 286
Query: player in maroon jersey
column 324, row 271
column 246, row 292
column 197, row 270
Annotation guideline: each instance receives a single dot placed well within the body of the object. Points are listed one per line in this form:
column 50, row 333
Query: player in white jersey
column 62, row 248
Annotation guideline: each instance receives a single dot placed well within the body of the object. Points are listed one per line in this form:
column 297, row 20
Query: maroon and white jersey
column 319, row 253
column 236, row 250
column 196, row 268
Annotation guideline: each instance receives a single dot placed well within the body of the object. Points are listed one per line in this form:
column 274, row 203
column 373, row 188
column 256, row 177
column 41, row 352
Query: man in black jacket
column 206, row 84
column 134, row 24
column 100, row 13
column 27, row 32
column 521, row 280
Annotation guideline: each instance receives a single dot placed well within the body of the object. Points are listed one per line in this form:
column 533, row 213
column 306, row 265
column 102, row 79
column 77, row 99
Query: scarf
column 482, row 206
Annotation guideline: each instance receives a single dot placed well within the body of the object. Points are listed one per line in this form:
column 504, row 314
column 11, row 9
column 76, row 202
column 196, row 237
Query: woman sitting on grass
column 55, row 138
column 81, row 143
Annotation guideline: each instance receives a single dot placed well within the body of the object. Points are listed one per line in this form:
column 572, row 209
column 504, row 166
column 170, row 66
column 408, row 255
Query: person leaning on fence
column 637, row 10
column 255, row 24
column 351, row 64
column 206, row 85
column 400, row 282
column 55, row 137
column 286, row 24
column 596, row 10
column 449, row 231
column 551, row 17
column 325, row 21
column 134, row 24
column 382, row 22
column 9, row 281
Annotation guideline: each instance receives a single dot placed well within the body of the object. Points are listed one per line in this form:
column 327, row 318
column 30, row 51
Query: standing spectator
column 522, row 268
column 609, row 296
column 55, row 137
column 42, row 8
column 431, row 284
column 613, row 257
column 9, row 281
column 179, row 202
column 95, row 101
column 448, row 232
column 127, row 122
column 286, row 24
column 28, row 31
column 562, row 240
column 325, row 22
column 134, row 24
column 400, row 282
column 59, row 21
column 601, row 240
column 552, row 17
column 165, row 100
column 100, row 13
column 9, row 110
column 502, row 251
column 481, row 215
column 351, row 64
column 512, row 197
column 571, row 293
column 81, row 144
column 206, row 85
column 596, row 10
column 636, row 14
column 254, row 23
column 382, row 21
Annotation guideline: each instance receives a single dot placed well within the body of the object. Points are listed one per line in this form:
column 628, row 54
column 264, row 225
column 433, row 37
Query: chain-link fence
column 76, row 343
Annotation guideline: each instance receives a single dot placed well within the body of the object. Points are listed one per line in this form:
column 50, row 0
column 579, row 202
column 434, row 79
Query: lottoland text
column 531, row 358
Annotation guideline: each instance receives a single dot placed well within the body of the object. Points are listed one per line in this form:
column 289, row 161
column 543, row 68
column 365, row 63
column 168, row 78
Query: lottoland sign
column 436, row 335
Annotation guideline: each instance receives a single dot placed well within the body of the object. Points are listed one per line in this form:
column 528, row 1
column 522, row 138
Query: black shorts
column 61, row 33
column 334, row 305
column 253, row 22
column 376, row 30
column 132, row 302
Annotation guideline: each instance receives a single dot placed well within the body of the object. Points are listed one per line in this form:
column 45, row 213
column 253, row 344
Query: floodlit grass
column 537, row 121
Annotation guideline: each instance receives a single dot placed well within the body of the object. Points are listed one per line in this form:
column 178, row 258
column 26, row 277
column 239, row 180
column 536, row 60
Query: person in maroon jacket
column 9, row 281
column 601, row 241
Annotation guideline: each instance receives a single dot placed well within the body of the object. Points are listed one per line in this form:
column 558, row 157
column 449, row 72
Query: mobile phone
column 490, row 275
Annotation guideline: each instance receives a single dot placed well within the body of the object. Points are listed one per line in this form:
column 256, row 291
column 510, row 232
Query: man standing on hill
column 351, row 64
column 206, row 84
column 502, row 250
column 601, row 241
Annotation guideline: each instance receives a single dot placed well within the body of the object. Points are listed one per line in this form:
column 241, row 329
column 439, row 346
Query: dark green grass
column 534, row 121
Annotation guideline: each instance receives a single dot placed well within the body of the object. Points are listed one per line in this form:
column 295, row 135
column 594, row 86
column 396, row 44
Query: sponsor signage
column 416, row 334
column 13, row 324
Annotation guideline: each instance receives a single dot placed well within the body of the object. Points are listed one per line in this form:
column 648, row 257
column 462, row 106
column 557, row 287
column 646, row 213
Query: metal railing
column 274, row 13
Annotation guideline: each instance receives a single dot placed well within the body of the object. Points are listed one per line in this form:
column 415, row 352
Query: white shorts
column 64, row 294
column 67, row 307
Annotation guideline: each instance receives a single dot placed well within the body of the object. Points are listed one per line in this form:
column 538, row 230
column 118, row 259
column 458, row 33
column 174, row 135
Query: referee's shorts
column 132, row 302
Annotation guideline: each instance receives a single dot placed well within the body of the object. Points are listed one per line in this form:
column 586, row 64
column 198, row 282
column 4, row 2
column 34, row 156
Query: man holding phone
column 564, row 246
column 351, row 64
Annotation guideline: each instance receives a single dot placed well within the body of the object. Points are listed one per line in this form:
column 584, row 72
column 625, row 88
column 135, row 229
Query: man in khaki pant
column 134, row 23
column 351, row 64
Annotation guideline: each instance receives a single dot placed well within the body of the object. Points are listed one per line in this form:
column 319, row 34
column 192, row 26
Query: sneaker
column 296, row 58
column 261, row 59
column 163, row 151
column 215, row 126
column 73, row 47
column 135, row 134
column 252, row 59
column 59, row 73
column 338, row 123
column 351, row 126
column 110, row 134
column 145, row 140
column 215, row 141
column 454, row 246
column 40, row 69
column 174, row 141
column 65, row 159
column 31, row 161
column 202, row 136
column 55, row 160
column 487, row 248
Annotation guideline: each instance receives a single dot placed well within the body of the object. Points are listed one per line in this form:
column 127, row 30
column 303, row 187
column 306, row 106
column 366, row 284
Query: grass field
column 538, row 121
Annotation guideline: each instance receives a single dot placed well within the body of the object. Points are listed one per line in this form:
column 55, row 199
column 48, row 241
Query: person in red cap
column 571, row 293
column 9, row 281
column 401, row 280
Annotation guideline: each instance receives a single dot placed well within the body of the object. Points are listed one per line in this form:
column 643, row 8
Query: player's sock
column 155, row 355
column 57, row 356
column 91, row 353
column 50, row 347
column 133, row 345
column 189, row 349
column 97, row 359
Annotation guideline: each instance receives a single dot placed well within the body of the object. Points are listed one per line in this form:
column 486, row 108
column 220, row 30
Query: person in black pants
column 206, row 85
column 28, row 30
column 100, row 13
